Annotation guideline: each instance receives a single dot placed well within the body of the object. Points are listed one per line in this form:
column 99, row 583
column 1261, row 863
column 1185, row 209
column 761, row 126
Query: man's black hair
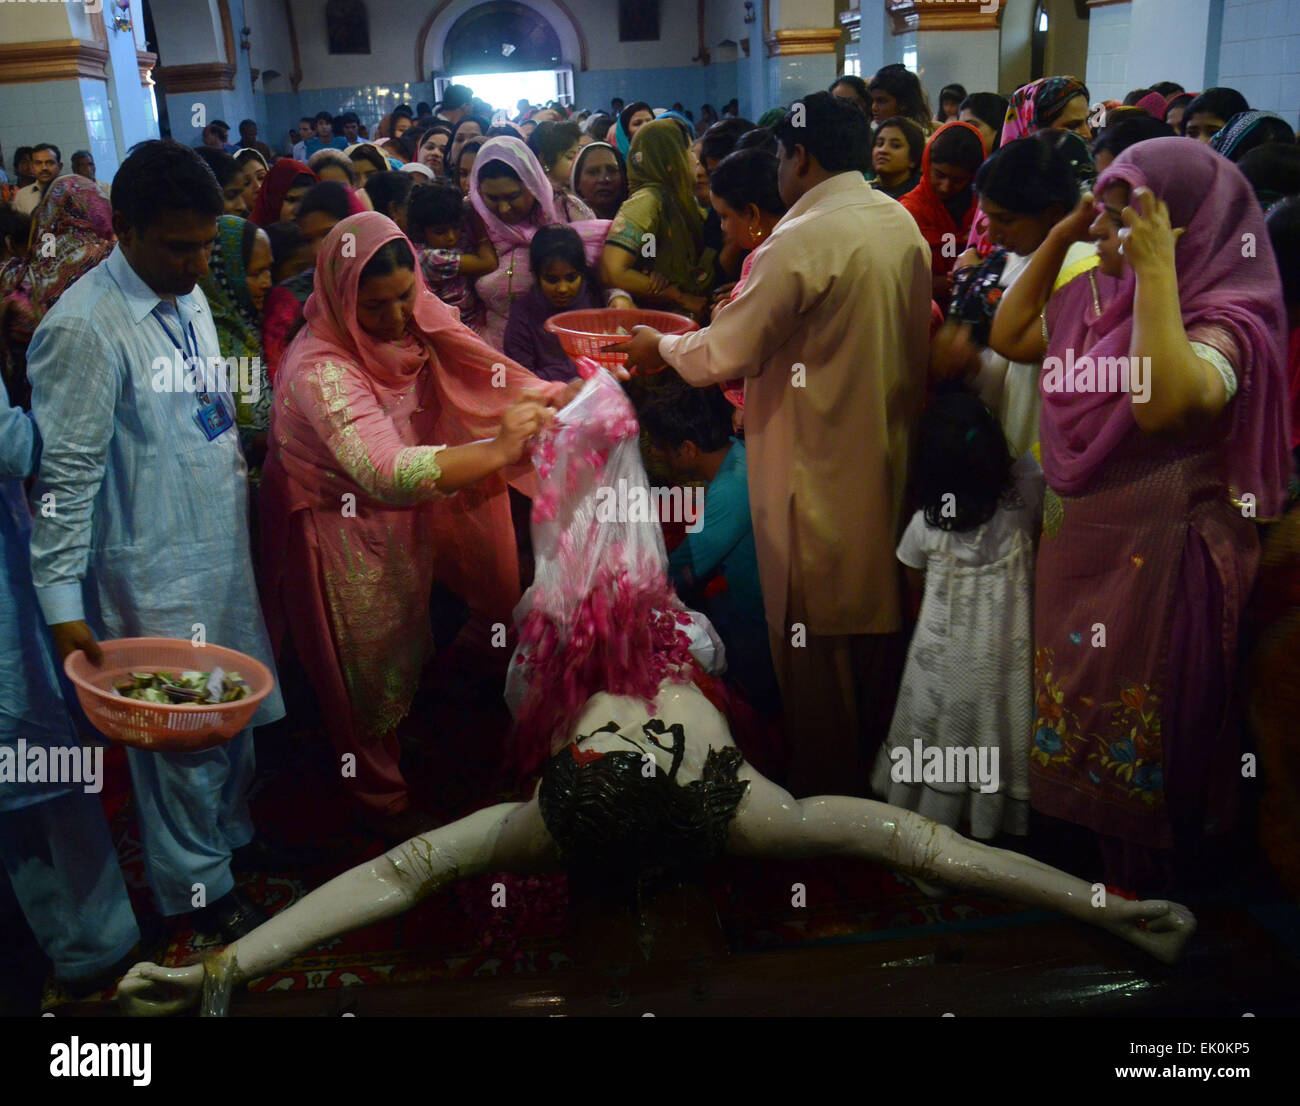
column 402, row 109
column 349, row 117
column 160, row 174
column 324, row 115
column 439, row 204
column 329, row 196
column 48, row 146
column 456, row 96
column 20, row 153
column 720, row 139
column 224, row 167
column 246, row 123
column 78, row 154
column 1167, row 88
column 834, row 133
column 678, row 413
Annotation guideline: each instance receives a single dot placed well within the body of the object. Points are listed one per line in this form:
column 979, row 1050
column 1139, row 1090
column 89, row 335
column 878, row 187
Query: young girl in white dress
column 958, row 747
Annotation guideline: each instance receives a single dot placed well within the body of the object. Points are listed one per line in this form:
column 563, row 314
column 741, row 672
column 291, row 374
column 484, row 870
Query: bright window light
column 909, row 59
column 1042, row 21
column 502, row 90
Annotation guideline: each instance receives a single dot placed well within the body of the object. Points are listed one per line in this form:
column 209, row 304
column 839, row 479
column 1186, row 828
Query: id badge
column 213, row 419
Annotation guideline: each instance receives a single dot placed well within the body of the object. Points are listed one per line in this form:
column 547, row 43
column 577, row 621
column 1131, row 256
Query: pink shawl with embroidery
column 473, row 384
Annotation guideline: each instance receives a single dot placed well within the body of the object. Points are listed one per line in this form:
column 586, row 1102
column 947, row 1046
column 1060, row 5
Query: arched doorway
column 431, row 43
column 499, row 37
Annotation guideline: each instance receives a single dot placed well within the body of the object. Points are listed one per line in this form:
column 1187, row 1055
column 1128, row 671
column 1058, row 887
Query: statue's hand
column 150, row 990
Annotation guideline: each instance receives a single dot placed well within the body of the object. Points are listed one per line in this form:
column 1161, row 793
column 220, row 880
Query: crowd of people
column 990, row 407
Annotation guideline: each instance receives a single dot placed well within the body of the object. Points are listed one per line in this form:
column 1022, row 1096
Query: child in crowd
column 715, row 568
column 967, row 689
column 563, row 282
column 389, row 193
column 439, row 223
column 290, row 251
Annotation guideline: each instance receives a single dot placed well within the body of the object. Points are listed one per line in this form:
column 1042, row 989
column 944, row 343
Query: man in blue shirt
column 143, row 527
column 690, row 431
column 325, row 135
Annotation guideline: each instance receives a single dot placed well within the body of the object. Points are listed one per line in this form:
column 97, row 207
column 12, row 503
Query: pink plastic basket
column 162, row 726
column 587, row 333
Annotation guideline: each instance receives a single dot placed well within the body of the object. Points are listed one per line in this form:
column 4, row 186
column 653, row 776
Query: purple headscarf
column 1220, row 282
column 508, row 236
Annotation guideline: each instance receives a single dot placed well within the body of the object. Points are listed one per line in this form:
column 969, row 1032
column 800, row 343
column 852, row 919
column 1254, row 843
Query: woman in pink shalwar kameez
column 358, row 526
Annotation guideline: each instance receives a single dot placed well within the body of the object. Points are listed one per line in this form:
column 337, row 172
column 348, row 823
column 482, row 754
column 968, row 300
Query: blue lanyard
column 190, row 351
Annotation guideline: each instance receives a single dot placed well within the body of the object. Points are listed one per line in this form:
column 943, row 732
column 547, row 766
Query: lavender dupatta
column 1227, row 277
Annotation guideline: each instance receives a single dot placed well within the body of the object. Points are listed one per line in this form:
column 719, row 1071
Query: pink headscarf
column 1216, row 285
column 474, row 528
column 1153, row 104
column 509, row 236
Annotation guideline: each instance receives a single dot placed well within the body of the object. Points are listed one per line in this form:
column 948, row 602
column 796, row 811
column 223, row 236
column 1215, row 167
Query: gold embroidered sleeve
column 417, row 472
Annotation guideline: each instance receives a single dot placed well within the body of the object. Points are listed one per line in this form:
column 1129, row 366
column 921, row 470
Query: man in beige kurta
column 831, row 334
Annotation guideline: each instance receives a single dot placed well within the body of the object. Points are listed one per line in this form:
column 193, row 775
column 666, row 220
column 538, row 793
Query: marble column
column 957, row 42
column 54, row 82
column 202, row 71
column 802, row 40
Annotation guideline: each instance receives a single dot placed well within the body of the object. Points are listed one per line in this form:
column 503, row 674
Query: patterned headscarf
column 1020, row 113
column 1051, row 96
column 72, row 233
column 1248, row 129
column 226, row 287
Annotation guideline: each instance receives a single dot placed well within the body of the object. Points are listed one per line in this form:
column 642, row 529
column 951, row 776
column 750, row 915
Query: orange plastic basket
column 587, row 333
column 164, row 727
